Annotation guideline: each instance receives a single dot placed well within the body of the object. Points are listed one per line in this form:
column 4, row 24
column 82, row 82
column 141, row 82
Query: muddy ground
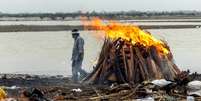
column 59, row 88
column 53, row 87
column 27, row 28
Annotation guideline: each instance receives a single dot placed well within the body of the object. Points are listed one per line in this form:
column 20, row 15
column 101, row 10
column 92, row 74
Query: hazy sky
column 16, row 6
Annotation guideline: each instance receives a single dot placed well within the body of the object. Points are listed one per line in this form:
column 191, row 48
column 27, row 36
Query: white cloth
column 161, row 82
column 194, row 88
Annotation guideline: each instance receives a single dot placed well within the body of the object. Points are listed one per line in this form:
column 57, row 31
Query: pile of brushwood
column 121, row 62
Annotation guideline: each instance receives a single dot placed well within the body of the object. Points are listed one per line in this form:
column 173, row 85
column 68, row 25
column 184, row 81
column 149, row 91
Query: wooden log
column 142, row 65
column 107, row 64
column 151, row 68
column 103, row 72
column 155, row 55
column 177, row 70
column 103, row 56
column 173, row 70
column 93, row 76
column 138, row 78
column 158, row 72
column 134, row 68
column 131, row 65
column 161, row 63
column 119, row 71
column 125, row 61
column 128, row 61
column 142, row 73
column 114, row 96
column 109, row 76
column 166, row 69
column 101, row 62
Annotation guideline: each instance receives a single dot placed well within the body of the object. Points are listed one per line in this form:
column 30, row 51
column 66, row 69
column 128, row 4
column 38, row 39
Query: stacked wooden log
column 121, row 61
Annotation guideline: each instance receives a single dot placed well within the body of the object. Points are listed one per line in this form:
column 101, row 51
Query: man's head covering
column 75, row 32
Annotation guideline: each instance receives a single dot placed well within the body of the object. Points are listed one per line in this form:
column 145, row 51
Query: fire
column 114, row 30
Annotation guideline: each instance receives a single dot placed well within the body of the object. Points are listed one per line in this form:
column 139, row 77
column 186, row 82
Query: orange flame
column 114, row 30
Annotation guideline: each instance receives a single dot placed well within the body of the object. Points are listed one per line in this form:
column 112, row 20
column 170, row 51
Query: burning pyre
column 131, row 55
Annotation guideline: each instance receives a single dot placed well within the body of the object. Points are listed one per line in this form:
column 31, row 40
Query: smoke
column 87, row 23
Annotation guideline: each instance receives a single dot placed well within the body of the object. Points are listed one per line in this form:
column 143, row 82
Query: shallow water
column 42, row 52
column 50, row 52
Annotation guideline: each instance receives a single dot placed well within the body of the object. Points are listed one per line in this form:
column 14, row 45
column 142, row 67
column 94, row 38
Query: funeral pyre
column 131, row 55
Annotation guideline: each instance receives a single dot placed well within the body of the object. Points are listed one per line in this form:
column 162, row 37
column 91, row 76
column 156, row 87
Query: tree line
column 109, row 15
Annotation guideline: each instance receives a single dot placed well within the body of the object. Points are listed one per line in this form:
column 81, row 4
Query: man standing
column 77, row 56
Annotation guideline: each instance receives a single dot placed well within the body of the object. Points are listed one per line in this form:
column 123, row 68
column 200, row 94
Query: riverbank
column 29, row 28
column 61, row 88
